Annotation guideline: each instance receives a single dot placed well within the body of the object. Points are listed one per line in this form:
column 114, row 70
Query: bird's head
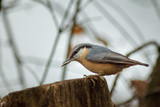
column 76, row 53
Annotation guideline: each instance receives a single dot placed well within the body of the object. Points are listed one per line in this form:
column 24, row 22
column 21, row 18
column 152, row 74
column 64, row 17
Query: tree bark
column 69, row 93
column 152, row 96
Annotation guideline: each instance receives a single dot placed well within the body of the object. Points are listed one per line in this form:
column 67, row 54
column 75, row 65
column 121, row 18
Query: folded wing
column 112, row 57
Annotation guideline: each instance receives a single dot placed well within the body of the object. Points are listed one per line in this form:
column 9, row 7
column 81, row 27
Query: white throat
column 80, row 53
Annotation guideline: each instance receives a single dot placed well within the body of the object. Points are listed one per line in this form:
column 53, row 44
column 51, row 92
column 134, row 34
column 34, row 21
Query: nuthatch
column 100, row 60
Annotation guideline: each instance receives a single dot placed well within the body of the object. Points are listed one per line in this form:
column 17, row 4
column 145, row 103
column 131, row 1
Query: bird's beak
column 67, row 61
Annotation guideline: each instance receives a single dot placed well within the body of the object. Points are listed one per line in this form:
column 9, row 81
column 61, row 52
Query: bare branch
column 126, row 17
column 55, row 43
column 114, row 84
column 48, row 6
column 156, row 8
column 135, row 50
column 122, row 30
column 74, row 19
column 143, row 46
column 127, row 101
column 32, row 72
column 2, row 74
column 14, row 48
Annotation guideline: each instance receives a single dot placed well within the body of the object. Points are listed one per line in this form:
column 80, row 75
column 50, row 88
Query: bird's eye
column 75, row 52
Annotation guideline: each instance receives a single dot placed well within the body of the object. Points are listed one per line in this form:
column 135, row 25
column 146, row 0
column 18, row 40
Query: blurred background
column 36, row 36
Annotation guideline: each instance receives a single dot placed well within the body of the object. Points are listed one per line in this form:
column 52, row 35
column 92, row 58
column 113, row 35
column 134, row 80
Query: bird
column 100, row 60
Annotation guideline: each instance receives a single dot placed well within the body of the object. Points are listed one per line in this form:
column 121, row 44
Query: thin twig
column 107, row 15
column 85, row 5
column 143, row 46
column 129, row 21
column 2, row 74
column 93, row 29
column 74, row 19
column 66, row 13
column 127, row 102
column 41, row 2
column 89, row 19
column 11, row 5
column 135, row 50
column 80, row 10
column 55, row 43
column 114, row 84
column 122, row 12
column 32, row 72
column 52, row 13
column 156, row 8
column 14, row 48
column 48, row 6
column 84, row 21
column 38, row 61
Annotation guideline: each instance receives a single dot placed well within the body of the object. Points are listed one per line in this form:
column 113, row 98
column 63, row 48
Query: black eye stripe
column 75, row 51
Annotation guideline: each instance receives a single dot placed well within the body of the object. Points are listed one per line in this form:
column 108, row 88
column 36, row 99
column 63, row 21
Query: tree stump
column 69, row 93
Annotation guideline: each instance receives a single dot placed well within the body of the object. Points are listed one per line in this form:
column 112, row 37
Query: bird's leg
column 90, row 77
column 101, row 77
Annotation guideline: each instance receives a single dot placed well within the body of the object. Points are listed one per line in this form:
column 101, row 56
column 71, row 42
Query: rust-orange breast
column 103, row 69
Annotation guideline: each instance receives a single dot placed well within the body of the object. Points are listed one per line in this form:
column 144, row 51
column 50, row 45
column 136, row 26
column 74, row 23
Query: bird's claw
column 90, row 77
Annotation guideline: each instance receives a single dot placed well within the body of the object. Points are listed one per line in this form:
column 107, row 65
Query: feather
column 103, row 55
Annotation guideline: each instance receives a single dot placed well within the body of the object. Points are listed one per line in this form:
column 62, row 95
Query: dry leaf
column 78, row 29
column 102, row 40
column 140, row 87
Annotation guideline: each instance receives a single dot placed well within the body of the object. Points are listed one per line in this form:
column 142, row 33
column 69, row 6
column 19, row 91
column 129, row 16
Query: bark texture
column 69, row 93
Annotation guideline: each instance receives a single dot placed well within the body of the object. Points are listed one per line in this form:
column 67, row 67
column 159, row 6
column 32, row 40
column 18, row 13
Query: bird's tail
column 138, row 63
column 144, row 64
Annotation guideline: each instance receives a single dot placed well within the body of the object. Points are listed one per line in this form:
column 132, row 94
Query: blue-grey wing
column 108, row 57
